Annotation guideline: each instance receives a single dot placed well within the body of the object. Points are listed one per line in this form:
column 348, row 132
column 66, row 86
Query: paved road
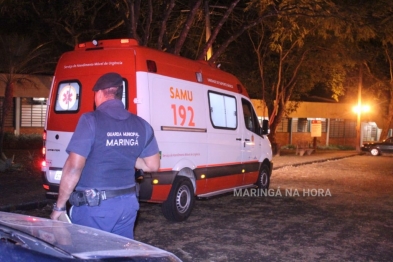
column 337, row 210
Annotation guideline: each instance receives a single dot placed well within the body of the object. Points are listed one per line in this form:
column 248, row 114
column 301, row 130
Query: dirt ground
column 350, row 220
column 22, row 183
column 332, row 211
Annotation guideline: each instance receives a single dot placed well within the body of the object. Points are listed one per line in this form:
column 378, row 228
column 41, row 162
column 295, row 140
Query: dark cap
column 108, row 80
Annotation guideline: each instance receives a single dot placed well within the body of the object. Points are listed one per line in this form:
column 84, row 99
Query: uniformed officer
column 106, row 147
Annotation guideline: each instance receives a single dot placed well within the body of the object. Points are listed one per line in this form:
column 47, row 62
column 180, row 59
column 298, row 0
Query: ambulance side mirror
column 265, row 127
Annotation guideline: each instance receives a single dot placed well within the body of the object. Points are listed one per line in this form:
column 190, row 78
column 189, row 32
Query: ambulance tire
column 264, row 177
column 180, row 201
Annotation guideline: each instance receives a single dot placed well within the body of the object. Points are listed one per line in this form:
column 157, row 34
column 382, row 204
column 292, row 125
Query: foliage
column 313, row 50
column 289, row 49
column 23, row 141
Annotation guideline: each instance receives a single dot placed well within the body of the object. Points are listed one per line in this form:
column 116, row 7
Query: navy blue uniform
column 111, row 139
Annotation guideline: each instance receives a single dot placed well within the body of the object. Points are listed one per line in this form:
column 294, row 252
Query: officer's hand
column 55, row 215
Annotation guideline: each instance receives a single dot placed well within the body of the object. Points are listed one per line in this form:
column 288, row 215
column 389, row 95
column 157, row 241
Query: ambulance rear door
column 72, row 95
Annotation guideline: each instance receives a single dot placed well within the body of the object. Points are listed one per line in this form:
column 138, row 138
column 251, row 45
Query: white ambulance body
column 209, row 136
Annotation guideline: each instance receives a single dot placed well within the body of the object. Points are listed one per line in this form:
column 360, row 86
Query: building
column 338, row 124
column 29, row 105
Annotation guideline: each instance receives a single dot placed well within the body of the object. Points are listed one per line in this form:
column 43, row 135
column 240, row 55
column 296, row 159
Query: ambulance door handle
column 246, row 140
column 238, row 139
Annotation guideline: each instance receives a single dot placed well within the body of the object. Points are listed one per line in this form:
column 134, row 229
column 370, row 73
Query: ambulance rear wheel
column 264, row 177
column 180, row 201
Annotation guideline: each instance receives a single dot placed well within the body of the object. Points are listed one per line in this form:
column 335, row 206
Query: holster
column 93, row 197
column 139, row 174
column 77, row 198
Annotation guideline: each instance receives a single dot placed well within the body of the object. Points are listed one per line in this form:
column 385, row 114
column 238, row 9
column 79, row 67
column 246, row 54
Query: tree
column 370, row 47
column 379, row 58
column 288, row 50
column 72, row 22
column 175, row 23
column 313, row 44
column 19, row 60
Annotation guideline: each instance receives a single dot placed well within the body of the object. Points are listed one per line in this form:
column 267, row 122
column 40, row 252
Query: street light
column 359, row 109
column 363, row 108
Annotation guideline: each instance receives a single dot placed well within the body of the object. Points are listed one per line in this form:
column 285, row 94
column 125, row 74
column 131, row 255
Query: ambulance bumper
column 52, row 190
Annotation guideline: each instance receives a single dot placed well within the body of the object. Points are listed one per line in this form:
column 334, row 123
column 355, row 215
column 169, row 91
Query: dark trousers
column 116, row 215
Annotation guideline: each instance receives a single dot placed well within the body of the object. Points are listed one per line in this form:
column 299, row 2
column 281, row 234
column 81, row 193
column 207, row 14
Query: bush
column 329, row 147
column 337, row 147
column 289, row 147
column 24, row 141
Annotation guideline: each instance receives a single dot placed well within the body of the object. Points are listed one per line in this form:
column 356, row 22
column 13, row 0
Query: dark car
column 27, row 238
column 379, row 148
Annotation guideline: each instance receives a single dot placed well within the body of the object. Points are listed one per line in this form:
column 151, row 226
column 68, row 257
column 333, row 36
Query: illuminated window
column 283, row 127
column 342, row 128
column 33, row 112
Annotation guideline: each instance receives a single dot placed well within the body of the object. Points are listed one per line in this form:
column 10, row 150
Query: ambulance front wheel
column 264, row 177
column 180, row 201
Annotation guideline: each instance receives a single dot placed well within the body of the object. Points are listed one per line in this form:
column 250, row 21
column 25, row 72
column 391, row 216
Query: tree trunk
column 388, row 123
column 274, row 124
column 186, row 28
column 169, row 7
column 7, row 104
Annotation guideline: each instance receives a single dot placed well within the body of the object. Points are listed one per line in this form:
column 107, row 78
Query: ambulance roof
column 155, row 61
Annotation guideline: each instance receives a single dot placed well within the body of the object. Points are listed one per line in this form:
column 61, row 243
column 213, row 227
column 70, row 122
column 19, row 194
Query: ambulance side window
column 250, row 118
column 223, row 113
column 67, row 97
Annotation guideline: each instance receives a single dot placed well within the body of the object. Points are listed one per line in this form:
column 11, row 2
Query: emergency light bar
column 124, row 42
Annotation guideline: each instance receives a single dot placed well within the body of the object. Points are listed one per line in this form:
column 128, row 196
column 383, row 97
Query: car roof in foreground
column 78, row 241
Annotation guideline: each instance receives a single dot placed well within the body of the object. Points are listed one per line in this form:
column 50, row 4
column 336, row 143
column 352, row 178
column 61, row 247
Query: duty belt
column 93, row 197
column 106, row 194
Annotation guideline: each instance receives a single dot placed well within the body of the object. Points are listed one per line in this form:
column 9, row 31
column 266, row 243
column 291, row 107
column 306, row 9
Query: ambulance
column 210, row 139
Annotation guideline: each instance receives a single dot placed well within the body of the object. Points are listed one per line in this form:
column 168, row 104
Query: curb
column 315, row 161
